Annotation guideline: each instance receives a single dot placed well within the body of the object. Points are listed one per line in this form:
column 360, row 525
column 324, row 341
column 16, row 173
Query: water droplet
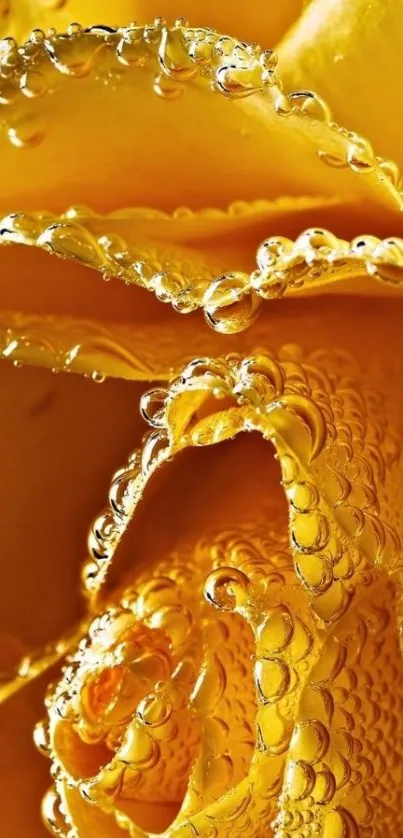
column 33, row 84
column 37, row 36
column 299, row 779
column 310, row 532
column 98, row 377
column 273, row 734
column 154, row 450
column 310, row 741
column 27, row 133
column 52, row 815
column 140, row 749
column 325, row 787
column 303, row 496
column 74, row 54
column 9, row 91
column 315, row 572
column 152, row 407
column 276, row 631
column 360, row 157
column 230, row 305
column 226, row 588
column 131, row 49
column 154, row 710
column 339, row 824
column 73, row 242
column 166, row 88
column 272, row 679
column 41, row 737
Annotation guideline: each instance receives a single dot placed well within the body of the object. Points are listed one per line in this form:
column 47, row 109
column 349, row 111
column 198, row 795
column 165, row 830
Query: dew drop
column 33, row 84
column 154, row 710
column 27, row 133
column 230, row 306
column 167, row 88
column 98, row 377
column 226, row 588
column 72, row 242
column 131, row 50
column 152, row 407
column 272, row 678
column 41, row 737
column 52, row 815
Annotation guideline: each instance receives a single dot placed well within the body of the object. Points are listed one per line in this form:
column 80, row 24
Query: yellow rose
column 235, row 667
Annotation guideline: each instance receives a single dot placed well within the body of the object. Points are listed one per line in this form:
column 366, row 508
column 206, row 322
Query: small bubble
column 226, row 588
column 74, row 30
column 41, row 737
column 33, row 84
column 37, row 36
column 27, row 133
column 98, row 377
column 167, row 88
column 154, row 710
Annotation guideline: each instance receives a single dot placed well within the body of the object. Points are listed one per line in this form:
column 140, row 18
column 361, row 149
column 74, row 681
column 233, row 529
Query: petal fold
column 169, row 116
column 291, row 562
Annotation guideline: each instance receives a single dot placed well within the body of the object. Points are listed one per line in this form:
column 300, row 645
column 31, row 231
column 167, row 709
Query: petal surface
column 60, row 442
column 256, row 23
column 22, row 779
column 350, row 52
column 210, row 262
column 170, row 117
column 222, row 581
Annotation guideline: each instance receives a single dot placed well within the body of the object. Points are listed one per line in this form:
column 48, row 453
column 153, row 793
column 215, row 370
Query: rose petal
column 350, row 52
column 337, row 763
column 225, row 264
column 140, row 125
column 222, row 539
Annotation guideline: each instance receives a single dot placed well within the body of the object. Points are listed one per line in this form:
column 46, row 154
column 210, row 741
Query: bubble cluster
column 250, row 679
column 181, row 276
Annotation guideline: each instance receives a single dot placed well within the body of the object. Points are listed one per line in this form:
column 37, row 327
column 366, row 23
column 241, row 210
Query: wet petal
column 157, row 82
column 339, row 775
column 225, row 264
column 350, row 52
column 221, row 583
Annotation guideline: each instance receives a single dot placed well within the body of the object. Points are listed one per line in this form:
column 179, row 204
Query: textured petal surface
column 187, row 607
